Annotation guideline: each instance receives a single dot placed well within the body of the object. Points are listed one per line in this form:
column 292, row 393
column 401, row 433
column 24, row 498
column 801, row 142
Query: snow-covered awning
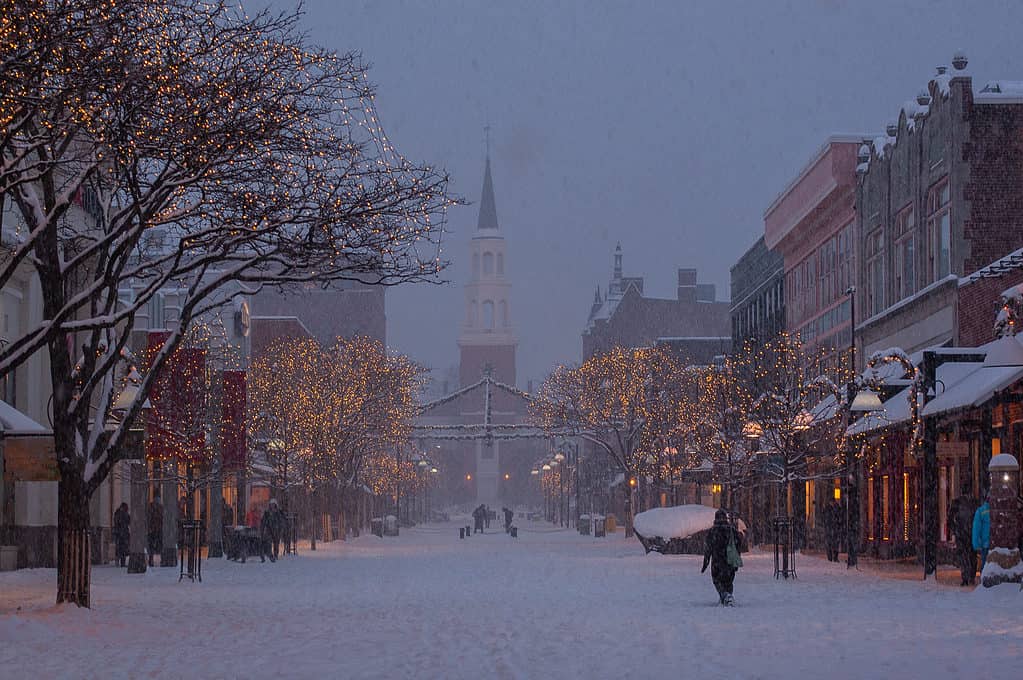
column 975, row 387
column 14, row 422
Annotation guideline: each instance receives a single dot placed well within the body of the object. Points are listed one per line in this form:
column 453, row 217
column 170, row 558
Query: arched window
column 475, row 265
column 500, row 264
column 503, row 306
column 488, row 264
column 488, row 314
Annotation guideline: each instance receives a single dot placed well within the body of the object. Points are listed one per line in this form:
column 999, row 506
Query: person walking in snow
column 961, row 516
column 121, row 532
column 722, row 553
column 508, row 516
column 982, row 531
column 486, row 517
column 273, row 525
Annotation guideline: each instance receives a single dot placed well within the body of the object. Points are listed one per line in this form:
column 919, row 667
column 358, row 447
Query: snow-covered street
column 550, row 604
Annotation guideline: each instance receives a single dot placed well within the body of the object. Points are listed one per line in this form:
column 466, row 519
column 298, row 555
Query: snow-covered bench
column 681, row 530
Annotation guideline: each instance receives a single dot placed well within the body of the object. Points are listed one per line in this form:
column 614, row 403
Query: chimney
column 687, row 285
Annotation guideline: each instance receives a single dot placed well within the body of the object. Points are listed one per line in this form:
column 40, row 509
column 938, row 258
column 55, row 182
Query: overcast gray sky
column 668, row 126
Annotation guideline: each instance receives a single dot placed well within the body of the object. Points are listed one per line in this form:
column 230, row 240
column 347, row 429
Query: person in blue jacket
column 982, row 531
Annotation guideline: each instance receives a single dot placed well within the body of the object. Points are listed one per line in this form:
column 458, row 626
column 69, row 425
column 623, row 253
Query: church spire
column 488, row 207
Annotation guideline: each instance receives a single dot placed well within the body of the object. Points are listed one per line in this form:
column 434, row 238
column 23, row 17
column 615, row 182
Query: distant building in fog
column 346, row 310
column 758, row 295
column 693, row 322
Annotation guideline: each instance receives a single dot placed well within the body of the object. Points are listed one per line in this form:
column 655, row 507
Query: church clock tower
column 487, row 341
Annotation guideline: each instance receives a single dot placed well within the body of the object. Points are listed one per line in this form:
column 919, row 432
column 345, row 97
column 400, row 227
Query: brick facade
column 947, row 178
column 811, row 225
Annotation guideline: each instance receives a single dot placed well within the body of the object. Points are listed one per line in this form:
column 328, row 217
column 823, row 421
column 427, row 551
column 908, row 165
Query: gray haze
column 667, row 126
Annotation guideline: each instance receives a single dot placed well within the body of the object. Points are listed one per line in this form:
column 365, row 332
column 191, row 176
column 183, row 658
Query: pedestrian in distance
column 982, row 531
column 508, row 516
column 486, row 517
column 961, row 517
column 122, row 532
column 273, row 525
column 833, row 525
column 154, row 527
column 477, row 520
column 722, row 554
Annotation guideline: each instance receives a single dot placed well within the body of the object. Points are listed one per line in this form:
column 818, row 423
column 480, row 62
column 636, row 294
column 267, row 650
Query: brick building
column 940, row 197
column 758, row 295
column 626, row 317
column 811, row 224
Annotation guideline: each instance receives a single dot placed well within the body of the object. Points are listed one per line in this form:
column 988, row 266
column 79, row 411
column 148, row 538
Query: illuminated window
column 811, row 504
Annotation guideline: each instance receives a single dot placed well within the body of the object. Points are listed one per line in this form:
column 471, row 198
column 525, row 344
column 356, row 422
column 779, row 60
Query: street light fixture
column 866, row 401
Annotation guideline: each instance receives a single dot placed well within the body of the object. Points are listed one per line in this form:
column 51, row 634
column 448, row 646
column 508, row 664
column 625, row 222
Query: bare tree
column 611, row 400
column 212, row 148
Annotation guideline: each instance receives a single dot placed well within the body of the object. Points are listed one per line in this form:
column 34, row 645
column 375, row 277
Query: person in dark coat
column 486, row 517
column 961, row 517
column 272, row 526
column 477, row 520
column 121, row 532
column 154, row 526
column 716, row 554
column 508, row 516
column 833, row 525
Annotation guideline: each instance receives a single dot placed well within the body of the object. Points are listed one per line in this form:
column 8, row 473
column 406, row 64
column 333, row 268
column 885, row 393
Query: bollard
column 515, row 532
column 468, row 531
column 461, row 532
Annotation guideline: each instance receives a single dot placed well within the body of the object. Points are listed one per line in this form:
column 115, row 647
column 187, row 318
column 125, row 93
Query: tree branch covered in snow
column 149, row 145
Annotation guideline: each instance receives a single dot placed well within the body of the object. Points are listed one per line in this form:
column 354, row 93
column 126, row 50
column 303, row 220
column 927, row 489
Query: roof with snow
column 13, row 421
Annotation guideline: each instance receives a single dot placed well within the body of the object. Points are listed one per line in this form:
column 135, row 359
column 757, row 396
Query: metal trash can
column 599, row 527
column 583, row 525
column 377, row 526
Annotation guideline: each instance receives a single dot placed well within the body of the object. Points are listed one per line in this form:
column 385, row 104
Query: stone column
column 169, row 496
column 138, row 506
column 1003, row 559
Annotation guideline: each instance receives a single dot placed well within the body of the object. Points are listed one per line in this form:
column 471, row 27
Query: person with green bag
column 722, row 553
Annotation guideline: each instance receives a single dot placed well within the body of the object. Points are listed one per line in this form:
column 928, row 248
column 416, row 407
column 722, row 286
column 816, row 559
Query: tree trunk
column 312, row 520
column 73, row 564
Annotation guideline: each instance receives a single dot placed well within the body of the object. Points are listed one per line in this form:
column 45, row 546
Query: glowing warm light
column 468, row 477
column 507, row 476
